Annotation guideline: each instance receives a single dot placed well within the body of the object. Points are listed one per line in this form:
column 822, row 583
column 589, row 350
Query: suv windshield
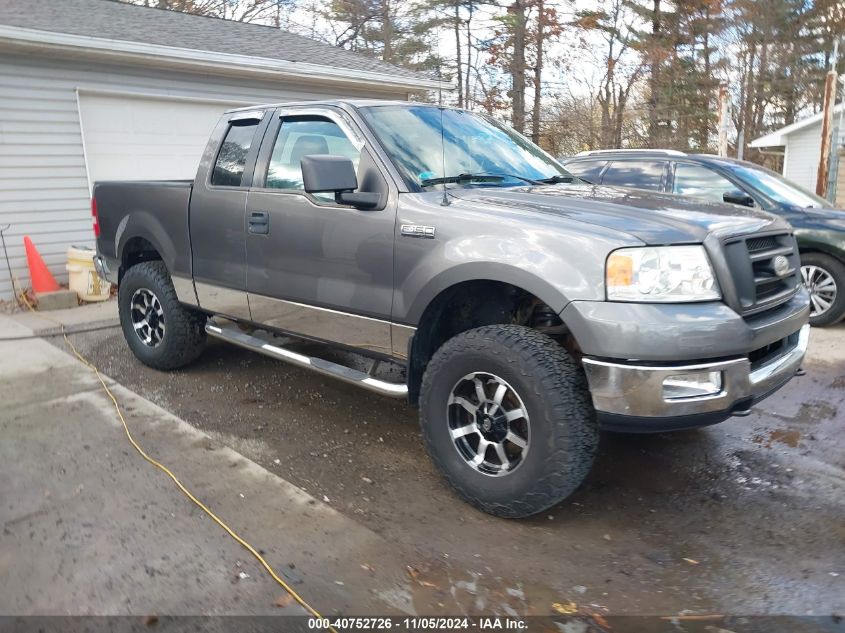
column 476, row 151
column 777, row 187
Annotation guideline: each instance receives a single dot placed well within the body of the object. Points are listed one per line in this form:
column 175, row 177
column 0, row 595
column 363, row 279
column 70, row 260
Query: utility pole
column 723, row 119
column 827, row 123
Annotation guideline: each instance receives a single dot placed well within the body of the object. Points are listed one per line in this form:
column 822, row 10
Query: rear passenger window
column 588, row 170
column 231, row 159
column 641, row 174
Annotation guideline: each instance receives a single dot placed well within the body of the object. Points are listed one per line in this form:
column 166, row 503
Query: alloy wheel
column 822, row 288
column 488, row 423
column 147, row 317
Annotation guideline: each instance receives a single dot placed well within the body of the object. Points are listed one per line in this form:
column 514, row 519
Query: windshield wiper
column 556, row 179
column 475, row 177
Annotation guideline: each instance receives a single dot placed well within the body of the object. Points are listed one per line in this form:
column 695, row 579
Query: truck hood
column 653, row 218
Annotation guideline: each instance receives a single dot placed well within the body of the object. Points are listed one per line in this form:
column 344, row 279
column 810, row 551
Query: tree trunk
column 538, row 73
column 654, row 78
column 760, row 106
column 750, row 94
column 517, row 11
column 469, row 54
column 387, row 31
column 459, row 73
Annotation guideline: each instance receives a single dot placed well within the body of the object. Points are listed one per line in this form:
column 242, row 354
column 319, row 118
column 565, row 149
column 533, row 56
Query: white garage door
column 144, row 138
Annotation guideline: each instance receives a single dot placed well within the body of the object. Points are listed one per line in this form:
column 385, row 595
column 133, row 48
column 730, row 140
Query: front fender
column 823, row 240
column 553, row 257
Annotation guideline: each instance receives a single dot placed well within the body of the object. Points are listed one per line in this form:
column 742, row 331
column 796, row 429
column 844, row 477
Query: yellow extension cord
column 293, row 594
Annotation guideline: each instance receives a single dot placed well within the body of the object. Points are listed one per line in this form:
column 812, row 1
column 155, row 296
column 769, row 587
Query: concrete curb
column 85, row 318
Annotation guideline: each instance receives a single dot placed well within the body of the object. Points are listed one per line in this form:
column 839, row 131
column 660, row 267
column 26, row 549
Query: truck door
column 314, row 267
column 218, row 205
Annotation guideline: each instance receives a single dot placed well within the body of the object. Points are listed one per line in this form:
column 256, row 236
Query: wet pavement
column 746, row 517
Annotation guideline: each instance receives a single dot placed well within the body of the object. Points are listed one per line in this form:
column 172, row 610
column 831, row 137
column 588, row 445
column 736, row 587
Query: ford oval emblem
column 780, row 265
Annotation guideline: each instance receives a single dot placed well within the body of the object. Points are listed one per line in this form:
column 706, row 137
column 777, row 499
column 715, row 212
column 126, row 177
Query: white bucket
column 83, row 277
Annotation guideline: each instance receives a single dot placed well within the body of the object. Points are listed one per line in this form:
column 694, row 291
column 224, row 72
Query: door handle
column 259, row 222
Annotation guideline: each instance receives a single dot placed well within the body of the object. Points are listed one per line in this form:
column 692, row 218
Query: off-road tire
column 553, row 388
column 835, row 269
column 184, row 335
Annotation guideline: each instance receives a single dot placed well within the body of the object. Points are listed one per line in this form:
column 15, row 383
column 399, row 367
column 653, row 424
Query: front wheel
column 160, row 331
column 508, row 419
column 824, row 278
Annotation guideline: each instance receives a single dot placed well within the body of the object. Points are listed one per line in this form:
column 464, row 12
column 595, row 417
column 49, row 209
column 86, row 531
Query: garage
column 132, row 93
column 136, row 137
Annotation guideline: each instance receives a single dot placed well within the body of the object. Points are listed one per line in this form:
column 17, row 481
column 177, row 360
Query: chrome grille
column 765, row 270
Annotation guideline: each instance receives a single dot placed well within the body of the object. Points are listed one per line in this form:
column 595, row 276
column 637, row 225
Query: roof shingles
column 110, row 19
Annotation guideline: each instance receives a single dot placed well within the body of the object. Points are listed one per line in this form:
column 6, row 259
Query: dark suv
column 819, row 227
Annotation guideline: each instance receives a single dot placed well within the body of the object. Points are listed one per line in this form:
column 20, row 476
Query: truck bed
column 155, row 210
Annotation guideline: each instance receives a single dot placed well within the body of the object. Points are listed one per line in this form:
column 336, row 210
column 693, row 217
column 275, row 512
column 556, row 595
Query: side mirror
column 735, row 196
column 324, row 173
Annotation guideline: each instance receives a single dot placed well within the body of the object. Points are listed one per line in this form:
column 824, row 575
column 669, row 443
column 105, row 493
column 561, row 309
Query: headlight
column 668, row 274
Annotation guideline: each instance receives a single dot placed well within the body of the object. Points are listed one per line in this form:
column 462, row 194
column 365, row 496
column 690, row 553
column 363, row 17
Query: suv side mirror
column 325, row 173
column 735, row 196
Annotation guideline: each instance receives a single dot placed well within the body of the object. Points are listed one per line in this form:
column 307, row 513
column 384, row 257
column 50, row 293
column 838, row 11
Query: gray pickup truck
column 526, row 309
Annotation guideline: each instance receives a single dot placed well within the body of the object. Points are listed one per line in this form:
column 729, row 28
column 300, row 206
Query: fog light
column 693, row 385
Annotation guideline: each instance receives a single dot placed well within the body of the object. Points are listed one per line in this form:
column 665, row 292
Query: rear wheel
column 824, row 278
column 160, row 331
column 508, row 419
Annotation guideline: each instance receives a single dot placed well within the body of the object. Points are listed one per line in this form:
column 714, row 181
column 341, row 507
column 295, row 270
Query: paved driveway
column 745, row 517
column 89, row 528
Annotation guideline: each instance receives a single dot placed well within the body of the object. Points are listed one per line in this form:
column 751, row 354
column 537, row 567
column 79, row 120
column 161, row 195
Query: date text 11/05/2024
column 418, row 623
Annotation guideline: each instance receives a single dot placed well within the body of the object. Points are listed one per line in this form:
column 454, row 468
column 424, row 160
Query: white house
column 801, row 144
column 97, row 89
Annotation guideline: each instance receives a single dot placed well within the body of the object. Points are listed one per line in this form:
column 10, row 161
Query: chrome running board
column 319, row 365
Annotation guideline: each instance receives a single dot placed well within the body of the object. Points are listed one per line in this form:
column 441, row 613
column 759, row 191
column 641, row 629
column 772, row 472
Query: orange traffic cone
column 42, row 279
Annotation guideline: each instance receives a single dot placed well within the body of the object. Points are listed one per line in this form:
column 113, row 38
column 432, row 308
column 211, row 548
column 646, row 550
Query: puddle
column 790, row 437
column 815, row 411
column 448, row 589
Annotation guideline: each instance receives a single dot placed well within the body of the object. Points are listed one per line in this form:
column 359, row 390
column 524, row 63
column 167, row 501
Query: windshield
column 473, row 146
column 778, row 188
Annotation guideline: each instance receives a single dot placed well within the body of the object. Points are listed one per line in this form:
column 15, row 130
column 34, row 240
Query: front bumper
column 631, row 397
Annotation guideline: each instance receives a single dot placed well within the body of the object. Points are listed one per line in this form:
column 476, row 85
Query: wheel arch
column 479, row 272
column 822, row 250
column 468, row 304
column 141, row 237
column 818, row 241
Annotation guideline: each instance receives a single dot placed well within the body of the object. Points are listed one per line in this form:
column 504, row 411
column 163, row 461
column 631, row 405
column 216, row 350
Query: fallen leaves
column 284, row 600
column 565, row 608
column 414, row 574
column 598, row 618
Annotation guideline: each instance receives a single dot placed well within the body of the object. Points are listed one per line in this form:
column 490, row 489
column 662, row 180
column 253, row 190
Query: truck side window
column 646, row 174
column 700, row 182
column 229, row 166
column 302, row 136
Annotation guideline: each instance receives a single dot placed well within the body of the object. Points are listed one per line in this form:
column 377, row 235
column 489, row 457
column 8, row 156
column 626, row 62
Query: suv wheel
column 160, row 331
column 824, row 278
column 508, row 419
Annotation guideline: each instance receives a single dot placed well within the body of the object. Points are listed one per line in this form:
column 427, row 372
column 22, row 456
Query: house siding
column 43, row 178
column 804, row 148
